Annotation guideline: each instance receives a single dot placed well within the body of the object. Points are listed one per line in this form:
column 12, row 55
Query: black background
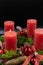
column 20, row 11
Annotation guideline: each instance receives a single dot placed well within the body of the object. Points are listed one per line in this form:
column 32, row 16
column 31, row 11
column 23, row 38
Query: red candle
column 8, row 25
column 10, row 40
column 38, row 38
column 31, row 26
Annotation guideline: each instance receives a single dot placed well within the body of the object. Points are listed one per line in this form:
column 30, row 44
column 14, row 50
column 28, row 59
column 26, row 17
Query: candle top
column 9, row 22
column 31, row 20
column 39, row 30
column 10, row 33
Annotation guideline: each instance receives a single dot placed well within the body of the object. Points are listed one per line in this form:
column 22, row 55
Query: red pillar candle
column 38, row 38
column 10, row 40
column 8, row 25
column 31, row 26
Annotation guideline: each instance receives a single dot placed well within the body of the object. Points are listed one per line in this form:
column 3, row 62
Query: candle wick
column 10, row 30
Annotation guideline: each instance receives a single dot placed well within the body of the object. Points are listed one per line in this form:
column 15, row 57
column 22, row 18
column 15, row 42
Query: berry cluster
column 27, row 49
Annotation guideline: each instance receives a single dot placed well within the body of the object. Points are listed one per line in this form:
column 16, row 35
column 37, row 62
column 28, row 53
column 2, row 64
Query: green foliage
column 8, row 54
column 40, row 52
column 29, row 40
column 2, row 63
column 29, row 64
column 2, row 38
column 23, row 39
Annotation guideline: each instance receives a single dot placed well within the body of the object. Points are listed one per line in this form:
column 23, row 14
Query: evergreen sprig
column 2, row 63
column 40, row 52
column 29, row 64
column 2, row 38
column 23, row 39
column 8, row 54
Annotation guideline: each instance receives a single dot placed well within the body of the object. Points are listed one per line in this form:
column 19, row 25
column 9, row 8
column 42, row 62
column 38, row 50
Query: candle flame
column 10, row 30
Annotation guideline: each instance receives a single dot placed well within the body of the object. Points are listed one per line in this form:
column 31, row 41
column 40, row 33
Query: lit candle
column 8, row 25
column 10, row 40
column 38, row 38
column 31, row 26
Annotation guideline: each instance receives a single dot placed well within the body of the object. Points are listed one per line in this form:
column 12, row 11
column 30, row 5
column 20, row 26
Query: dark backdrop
column 20, row 11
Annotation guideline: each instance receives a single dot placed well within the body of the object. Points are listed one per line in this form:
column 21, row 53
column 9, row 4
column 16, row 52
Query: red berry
column 1, row 51
column 30, row 51
column 32, row 60
column 22, row 33
column 33, row 48
column 3, row 46
column 25, row 49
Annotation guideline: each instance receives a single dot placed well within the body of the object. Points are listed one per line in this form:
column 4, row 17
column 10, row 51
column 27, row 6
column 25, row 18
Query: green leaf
column 12, row 52
column 8, row 54
column 29, row 64
column 29, row 40
column 0, row 56
column 3, row 56
column 2, row 63
column 40, row 52
column 23, row 39
column 2, row 38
